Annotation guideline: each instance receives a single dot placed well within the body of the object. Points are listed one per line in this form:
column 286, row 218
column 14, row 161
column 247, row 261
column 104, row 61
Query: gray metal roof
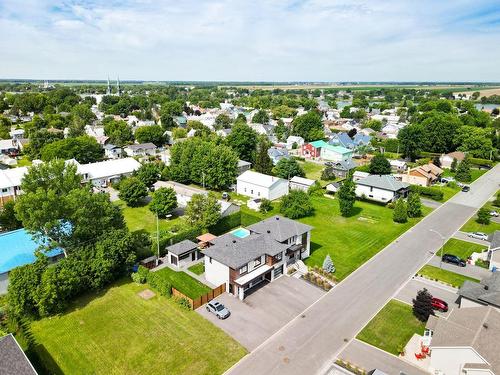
column 485, row 292
column 235, row 252
column 344, row 165
column 13, row 361
column 182, row 247
column 280, row 228
column 384, row 182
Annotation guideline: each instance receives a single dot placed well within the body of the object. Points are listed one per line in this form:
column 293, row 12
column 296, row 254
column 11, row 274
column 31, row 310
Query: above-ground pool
column 17, row 248
column 240, row 232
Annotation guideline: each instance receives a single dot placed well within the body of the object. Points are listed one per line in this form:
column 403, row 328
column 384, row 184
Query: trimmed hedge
column 478, row 161
column 430, row 192
column 248, row 219
column 159, row 283
column 227, row 223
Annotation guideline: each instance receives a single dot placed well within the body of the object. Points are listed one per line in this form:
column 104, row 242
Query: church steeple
column 118, row 90
column 108, row 90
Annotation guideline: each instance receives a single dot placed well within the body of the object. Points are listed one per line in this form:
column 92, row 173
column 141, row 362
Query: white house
column 465, row 343
column 10, row 183
column 446, row 160
column 293, row 139
column 143, row 149
column 243, row 258
column 258, row 185
column 105, row 172
column 112, row 151
column 301, row 183
column 381, row 188
column 182, row 253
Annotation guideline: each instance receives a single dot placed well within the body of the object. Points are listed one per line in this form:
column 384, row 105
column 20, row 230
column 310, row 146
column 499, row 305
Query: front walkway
column 369, row 358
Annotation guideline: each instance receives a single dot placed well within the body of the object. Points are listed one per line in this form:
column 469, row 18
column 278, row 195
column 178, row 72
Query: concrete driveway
column 447, row 294
column 469, row 270
column 265, row 311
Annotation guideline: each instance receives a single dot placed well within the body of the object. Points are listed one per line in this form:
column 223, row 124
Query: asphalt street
column 310, row 343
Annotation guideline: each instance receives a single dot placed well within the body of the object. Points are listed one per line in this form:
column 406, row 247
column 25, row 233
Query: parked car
column 439, row 304
column 466, row 188
column 218, row 309
column 494, row 213
column 453, row 259
column 447, row 179
column 478, row 236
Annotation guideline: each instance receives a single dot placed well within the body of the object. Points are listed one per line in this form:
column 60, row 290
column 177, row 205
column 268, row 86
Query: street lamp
column 442, row 247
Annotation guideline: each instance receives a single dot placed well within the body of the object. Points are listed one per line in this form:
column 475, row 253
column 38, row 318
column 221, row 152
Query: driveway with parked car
column 264, row 311
column 469, row 270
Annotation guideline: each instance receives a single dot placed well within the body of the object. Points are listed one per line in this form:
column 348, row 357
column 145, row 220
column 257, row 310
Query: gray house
column 486, row 292
column 182, row 253
column 13, row 361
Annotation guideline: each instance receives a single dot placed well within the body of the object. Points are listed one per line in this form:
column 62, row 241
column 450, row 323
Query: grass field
column 473, row 226
column 392, row 327
column 351, row 241
column 198, row 268
column 118, row 332
column 312, row 170
column 436, row 273
column 462, row 249
column 141, row 218
column 475, row 174
column 184, row 283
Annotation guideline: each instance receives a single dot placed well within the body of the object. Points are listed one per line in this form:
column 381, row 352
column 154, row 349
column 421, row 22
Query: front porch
column 248, row 283
column 294, row 253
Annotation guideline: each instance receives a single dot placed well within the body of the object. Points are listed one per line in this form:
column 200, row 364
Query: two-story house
column 247, row 257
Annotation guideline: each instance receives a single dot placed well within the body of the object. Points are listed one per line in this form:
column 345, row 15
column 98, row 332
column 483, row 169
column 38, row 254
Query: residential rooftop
column 384, row 182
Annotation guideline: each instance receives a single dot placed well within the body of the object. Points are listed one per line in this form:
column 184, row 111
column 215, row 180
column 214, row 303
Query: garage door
column 278, row 271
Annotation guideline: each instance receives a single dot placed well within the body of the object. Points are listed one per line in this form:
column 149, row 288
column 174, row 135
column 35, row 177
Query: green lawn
column 462, row 249
column 184, row 283
column 392, row 327
column 312, row 170
column 351, row 241
column 475, row 173
column 473, row 226
column 436, row 273
column 118, row 332
column 198, row 268
column 448, row 192
column 141, row 218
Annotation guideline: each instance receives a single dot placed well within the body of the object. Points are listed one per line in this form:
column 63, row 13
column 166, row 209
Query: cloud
column 279, row 40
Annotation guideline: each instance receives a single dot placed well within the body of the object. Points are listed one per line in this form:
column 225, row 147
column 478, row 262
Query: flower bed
column 318, row 280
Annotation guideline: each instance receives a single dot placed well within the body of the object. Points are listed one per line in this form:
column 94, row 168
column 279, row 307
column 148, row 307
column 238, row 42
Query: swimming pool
column 240, row 232
column 17, row 248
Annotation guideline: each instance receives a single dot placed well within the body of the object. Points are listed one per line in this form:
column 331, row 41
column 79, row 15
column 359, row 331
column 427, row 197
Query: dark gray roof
column 182, row 247
column 280, row 228
column 485, row 292
column 149, row 146
column 344, row 165
column 495, row 240
column 235, row 252
column 110, row 146
column 477, row 327
column 384, row 182
column 13, row 361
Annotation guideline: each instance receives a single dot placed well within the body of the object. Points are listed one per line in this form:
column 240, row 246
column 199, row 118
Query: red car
column 439, row 304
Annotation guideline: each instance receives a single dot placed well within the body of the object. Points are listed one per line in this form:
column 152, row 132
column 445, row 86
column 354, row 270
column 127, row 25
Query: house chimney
column 268, row 231
column 234, row 241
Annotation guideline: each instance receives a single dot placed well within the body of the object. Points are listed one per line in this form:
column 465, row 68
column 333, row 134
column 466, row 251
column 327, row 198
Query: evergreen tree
column 328, row 264
column 463, row 171
column 414, row 205
column 453, row 166
column 347, row 196
column 422, row 305
column 400, row 214
column 263, row 163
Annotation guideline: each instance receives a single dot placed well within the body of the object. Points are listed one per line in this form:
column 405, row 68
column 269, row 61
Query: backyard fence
column 197, row 302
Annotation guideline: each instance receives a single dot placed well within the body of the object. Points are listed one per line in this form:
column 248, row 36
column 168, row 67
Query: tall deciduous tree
column 84, row 149
column 263, row 163
column 410, row 139
column 164, row 201
column 347, row 196
column 203, row 211
column 288, row 168
column 132, row 191
column 380, row 165
column 243, row 140
column 153, row 134
column 261, row 117
column 119, row 132
column 296, row 204
column 308, row 126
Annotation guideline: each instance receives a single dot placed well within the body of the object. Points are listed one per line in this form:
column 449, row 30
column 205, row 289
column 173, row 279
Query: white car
column 479, row 236
column 494, row 213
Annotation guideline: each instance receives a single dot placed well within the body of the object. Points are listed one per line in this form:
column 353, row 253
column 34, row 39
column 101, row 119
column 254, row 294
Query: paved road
column 310, row 342
column 469, row 270
column 430, row 203
column 464, row 237
column 370, row 358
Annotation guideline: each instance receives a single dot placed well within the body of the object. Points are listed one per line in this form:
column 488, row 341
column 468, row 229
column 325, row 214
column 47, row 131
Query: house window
column 258, row 194
column 251, row 191
column 245, row 190
column 371, row 189
column 243, row 269
column 256, row 262
column 4, row 190
column 210, row 260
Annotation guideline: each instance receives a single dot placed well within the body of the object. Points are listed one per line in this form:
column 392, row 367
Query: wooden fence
column 195, row 303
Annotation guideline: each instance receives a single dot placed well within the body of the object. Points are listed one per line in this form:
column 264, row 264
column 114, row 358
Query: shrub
column 142, row 273
column 327, row 174
column 183, row 302
column 296, row 204
column 414, row 205
column 400, row 213
column 265, row 205
column 136, row 278
column 132, row 191
column 160, row 284
column 328, row 264
column 430, row 192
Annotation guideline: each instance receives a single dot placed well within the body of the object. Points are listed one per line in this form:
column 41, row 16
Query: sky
column 251, row 40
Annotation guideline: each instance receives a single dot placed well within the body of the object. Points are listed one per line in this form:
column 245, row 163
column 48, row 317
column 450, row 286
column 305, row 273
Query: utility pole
column 157, row 239
column 203, row 178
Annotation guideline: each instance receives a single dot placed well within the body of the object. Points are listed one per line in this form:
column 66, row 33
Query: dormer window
column 257, row 262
